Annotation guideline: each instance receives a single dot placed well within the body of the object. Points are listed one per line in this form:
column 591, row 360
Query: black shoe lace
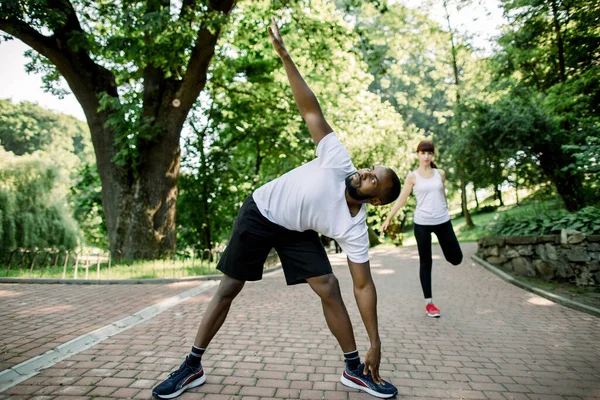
column 179, row 370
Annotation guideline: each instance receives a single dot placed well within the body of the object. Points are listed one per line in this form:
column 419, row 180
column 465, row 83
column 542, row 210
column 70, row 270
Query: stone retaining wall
column 569, row 257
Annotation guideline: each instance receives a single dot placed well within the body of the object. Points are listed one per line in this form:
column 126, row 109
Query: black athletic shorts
column 301, row 253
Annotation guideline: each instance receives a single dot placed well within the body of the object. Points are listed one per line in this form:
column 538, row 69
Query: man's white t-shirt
column 312, row 197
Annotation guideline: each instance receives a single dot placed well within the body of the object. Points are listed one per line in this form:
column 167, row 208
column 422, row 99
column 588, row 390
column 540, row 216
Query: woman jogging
column 431, row 215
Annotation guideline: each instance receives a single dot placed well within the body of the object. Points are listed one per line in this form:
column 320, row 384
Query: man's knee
column 326, row 286
column 229, row 287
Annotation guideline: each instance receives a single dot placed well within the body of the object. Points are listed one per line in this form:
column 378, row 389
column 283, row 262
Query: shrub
column 32, row 210
column 586, row 220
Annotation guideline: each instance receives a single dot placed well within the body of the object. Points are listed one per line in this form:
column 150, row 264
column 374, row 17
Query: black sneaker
column 186, row 377
column 357, row 380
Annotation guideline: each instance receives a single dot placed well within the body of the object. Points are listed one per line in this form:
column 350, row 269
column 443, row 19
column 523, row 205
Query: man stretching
column 327, row 196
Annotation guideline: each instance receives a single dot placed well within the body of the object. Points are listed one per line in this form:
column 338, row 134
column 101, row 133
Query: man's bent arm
column 366, row 299
column 305, row 98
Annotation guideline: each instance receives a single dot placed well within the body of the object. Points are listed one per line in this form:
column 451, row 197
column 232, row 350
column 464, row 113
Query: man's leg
column 190, row 374
column 338, row 320
column 334, row 309
column 217, row 310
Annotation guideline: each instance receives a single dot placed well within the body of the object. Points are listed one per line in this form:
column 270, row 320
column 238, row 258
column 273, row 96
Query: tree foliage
column 548, row 87
column 386, row 76
column 250, row 131
column 32, row 206
column 136, row 68
column 64, row 141
column 26, row 128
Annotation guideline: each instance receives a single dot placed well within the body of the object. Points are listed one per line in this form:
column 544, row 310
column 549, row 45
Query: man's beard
column 352, row 191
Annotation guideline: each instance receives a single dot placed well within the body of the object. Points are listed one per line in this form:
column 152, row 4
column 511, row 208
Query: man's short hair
column 393, row 191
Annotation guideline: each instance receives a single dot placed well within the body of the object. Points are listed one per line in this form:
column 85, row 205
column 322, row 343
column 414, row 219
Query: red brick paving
column 494, row 341
column 38, row 317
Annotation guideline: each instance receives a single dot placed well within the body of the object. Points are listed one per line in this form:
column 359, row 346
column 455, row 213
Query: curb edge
column 550, row 296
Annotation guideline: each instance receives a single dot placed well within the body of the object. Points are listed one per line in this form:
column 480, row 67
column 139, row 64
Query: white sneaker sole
column 194, row 384
column 433, row 315
column 347, row 382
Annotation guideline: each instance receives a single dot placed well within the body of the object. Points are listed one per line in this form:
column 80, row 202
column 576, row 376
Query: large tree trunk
column 139, row 206
column 147, row 218
column 569, row 185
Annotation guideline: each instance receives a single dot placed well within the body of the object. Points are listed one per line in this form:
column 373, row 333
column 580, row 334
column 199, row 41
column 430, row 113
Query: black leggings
column 449, row 244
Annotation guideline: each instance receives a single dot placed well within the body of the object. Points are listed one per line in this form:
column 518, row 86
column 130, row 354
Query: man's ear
column 374, row 201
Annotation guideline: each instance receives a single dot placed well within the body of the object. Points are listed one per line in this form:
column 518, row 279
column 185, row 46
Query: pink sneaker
column 432, row 311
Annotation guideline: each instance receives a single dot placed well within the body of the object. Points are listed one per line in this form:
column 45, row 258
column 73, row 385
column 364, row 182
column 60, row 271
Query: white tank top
column 431, row 202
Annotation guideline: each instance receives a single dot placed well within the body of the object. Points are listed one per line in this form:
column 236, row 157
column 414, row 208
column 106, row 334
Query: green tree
column 409, row 63
column 493, row 149
column 86, row 205
column 425, row 71
column 136, row 68
column 549, row 58
column 26, row 128
column 32, row 206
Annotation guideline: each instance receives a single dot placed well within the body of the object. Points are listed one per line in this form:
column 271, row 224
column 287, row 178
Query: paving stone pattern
column 494, row 341
column 36, row 318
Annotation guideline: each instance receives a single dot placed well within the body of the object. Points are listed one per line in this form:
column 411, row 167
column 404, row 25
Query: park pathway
column 494, row 340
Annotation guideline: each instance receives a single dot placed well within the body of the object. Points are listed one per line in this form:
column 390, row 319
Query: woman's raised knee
column 456, row 259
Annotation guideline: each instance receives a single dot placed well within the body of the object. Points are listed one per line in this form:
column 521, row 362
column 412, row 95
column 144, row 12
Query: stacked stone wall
column 569, row 257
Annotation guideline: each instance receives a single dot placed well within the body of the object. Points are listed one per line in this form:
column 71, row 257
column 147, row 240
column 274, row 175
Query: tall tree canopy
column 425, row 70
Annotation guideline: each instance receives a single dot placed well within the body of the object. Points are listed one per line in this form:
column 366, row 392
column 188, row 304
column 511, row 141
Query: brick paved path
column 493, row 341
column 36, row 318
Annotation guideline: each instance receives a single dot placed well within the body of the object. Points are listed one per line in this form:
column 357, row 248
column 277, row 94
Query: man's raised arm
column 305, row 98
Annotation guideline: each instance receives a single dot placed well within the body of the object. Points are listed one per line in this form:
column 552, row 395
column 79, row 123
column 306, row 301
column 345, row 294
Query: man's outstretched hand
column 372, row 360
column 276, row 39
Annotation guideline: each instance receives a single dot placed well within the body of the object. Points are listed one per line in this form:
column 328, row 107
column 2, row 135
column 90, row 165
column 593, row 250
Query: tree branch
column 75, row 65
column 19, row 29
column 154, row 82
column 202, row 53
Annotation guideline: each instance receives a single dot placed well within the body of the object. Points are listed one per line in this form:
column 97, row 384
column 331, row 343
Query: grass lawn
column 102, row 270
column 136, row 270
